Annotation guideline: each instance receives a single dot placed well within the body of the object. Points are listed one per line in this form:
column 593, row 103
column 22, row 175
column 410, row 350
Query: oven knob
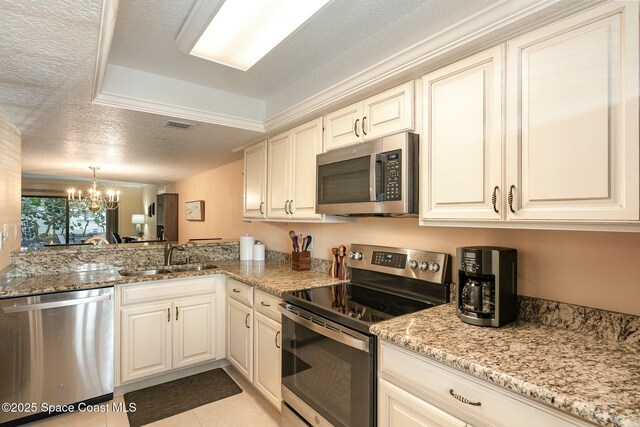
column 434, row 267
column 413, row 263
column 350, row 255
column 424, row 265
column 357, row 255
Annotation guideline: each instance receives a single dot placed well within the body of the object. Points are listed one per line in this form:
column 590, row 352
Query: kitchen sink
column 170, row 269
column 150, row 272
column 193, row 267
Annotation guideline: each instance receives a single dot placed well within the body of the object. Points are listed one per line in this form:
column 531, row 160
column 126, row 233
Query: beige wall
column 10, row 169
column 221, row 190
column 130, row 204
column 594, row 269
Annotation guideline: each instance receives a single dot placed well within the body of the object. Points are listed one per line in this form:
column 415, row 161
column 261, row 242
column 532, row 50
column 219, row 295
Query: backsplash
column 592, row 321
column 130, row 256
column 133, row 256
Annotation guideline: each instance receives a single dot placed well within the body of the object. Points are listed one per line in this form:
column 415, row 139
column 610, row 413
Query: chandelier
column 95, row 200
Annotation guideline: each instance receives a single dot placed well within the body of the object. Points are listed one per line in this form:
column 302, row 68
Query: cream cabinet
column 417, row 391
column 385, row 113
column 146, row 344
column 399, row 408
column 462, row 143
column 167, row 325
column 267, row 358
column 255, row 182
column 572, row 118
column 291, row 169
column 240, row 334
column 253, row 338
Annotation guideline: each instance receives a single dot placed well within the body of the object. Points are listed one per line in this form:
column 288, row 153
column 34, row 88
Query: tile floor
column 248, row 408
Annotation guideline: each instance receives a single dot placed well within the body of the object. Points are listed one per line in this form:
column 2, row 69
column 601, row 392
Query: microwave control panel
column 392, row 172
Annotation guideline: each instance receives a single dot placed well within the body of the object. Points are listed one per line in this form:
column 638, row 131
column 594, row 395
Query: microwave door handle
column 374, row 192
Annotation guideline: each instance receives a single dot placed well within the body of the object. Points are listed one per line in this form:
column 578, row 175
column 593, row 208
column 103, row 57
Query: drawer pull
column 236, row 291
column 463, row 399
column 264, row 305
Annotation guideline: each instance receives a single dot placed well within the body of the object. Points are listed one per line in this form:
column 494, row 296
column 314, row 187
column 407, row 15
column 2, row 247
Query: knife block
column 301, row 261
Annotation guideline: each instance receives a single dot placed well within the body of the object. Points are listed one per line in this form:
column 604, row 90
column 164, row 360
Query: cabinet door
column 388, row 112
column 279, row 175
column 194, row 326
column 463, row 139
column 240, row 337
column 306, row 144
column 573, row 118
column 255, row 183
column 399, row 408
column 343, row 127
column 267, row 358
column 145, row 341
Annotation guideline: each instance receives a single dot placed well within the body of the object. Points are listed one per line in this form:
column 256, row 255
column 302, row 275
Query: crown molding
column 144, row 105
column 107, row 27
column 197, row 21
column 498, row 18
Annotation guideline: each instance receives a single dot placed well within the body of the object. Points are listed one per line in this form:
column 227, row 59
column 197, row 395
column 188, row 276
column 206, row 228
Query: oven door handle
column 339, row 335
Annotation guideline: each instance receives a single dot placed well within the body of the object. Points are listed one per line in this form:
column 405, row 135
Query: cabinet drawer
column 267, row 304
column 437, row 383
column 169, row 289
column 240, row 292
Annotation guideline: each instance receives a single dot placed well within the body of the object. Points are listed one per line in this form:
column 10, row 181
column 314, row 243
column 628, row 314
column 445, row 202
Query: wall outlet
column 5, row 232
column 15, row 231
column 2, row 236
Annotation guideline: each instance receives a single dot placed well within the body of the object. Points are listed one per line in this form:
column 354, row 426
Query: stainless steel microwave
column 375, row 178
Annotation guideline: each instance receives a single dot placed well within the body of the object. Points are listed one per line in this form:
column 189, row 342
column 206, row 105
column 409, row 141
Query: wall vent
column 177, row 125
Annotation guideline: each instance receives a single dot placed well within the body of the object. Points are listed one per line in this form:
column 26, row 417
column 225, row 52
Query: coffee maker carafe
column 487, row 294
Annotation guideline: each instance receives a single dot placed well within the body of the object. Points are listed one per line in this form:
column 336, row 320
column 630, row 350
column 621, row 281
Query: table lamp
column 138, row 220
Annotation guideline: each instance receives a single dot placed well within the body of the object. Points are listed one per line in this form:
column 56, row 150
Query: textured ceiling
column 47, row 60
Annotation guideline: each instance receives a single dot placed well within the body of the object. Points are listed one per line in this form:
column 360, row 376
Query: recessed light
column 244, row 31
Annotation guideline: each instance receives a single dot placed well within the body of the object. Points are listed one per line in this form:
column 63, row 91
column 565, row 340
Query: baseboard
column 169, row 376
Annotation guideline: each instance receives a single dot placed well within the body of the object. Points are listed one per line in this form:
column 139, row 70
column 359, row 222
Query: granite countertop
column 592, row 378
column 272, row 277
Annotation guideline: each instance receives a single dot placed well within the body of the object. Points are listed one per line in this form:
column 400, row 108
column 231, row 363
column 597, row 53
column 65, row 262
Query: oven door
column 328, row 370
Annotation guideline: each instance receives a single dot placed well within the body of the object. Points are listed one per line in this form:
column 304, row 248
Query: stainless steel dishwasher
column 55, row 349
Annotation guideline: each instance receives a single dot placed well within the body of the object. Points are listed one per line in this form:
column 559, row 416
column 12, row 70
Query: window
column 53, row 221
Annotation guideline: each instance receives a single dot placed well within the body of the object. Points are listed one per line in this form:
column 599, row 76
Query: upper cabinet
column 572, row 118
column 291, row 185
column 255, row 182
column 461, row 157
column 569, row 153
column 383, row 114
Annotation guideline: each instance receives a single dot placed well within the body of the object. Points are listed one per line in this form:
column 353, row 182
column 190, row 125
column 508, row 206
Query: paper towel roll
column 246, row 247
column 258, row 251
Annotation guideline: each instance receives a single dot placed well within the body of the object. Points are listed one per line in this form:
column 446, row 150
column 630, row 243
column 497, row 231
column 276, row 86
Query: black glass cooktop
column 353, row 304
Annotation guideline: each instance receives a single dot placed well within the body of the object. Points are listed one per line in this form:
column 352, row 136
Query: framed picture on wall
column 195, row 210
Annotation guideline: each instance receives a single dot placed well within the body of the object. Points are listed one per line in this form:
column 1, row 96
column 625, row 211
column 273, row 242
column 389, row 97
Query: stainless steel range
column 328, row 355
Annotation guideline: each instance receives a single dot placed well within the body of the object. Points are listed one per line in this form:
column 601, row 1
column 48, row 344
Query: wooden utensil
column 334, row 266
column 294, row 240
column 342, row 260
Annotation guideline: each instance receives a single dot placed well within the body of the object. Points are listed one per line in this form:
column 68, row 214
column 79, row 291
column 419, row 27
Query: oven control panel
column 389, row 259
column 423, row 265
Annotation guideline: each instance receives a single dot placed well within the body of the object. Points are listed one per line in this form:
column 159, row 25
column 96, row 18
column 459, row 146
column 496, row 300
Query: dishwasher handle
column 55, row 304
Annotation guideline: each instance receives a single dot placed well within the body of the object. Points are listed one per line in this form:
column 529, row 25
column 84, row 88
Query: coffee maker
column 487, row 293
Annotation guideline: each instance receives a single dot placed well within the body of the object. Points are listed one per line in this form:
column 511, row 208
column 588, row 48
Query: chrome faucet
column 168, row 252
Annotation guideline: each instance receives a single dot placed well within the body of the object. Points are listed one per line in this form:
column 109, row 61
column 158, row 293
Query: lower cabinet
column 267, row 358
column 399, row 408
column 168, row 325
column 240, row 337
column 253, row 338
column 416, row 391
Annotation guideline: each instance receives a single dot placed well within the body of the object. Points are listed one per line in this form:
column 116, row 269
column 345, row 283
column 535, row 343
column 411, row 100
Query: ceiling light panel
column 243, row 31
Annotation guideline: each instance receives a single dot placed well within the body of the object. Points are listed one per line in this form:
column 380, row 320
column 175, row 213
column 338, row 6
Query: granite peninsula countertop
column 272, row 277
column 592, row 378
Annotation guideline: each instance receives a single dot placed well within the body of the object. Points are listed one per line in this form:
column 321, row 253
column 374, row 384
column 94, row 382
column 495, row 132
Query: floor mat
column 172, row 398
